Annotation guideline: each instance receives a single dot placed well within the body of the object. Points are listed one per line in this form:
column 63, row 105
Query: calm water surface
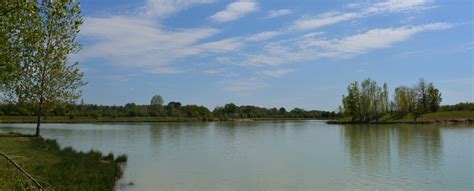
column 278, row 155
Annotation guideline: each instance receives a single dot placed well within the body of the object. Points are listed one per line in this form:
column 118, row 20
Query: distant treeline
column 172, row 109
column 458, row 107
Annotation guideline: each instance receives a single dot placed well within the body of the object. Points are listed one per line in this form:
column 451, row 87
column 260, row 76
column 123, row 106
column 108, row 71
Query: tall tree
column 385, row 99
column 434, row 98
column 421, row 89
column 405, row 99
column 378, row 101
column 365, row 100
column 46, row 79
column 156, row 100
column 351, row 102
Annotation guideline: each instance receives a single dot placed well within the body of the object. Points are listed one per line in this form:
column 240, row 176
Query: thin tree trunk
column 38, row 124
column 38, row 121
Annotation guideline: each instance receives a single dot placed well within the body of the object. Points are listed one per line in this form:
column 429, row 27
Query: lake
column 278, row 155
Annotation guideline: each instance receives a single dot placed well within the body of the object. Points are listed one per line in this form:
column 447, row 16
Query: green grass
column 436, row 116
column 55, row 168
column 448, row 115
column 428, row 117
column 345, row 119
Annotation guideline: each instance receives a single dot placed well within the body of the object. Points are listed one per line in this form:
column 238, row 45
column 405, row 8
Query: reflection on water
column 409, row 154
column 278, row 155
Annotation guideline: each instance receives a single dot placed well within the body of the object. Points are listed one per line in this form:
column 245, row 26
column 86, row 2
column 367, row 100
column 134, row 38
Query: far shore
column 447, row 117
column 66, row 119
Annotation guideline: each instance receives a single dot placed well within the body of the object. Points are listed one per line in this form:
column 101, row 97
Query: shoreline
column 78, row 120
column 445, row 121
column 441, row 117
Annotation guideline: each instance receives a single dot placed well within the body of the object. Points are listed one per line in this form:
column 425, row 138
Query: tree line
column 172, row 109
column 369, row 101
column 458, row 107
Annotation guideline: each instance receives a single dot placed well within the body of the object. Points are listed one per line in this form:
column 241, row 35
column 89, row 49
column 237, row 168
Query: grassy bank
column 55, row 168
column 437, row 117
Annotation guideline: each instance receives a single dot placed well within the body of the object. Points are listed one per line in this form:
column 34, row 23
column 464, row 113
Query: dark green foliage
column 458, row 107
column 109, row 157
column 121, row 158
column 174, row 104
column 174, row 109
column 434, row 98
column 16, row 110
column 233, row 111
column 282, row 110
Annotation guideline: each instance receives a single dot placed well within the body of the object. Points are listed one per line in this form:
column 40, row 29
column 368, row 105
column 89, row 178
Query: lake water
column 278, row 155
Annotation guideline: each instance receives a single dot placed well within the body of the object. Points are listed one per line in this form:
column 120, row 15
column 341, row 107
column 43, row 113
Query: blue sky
column 272, row 53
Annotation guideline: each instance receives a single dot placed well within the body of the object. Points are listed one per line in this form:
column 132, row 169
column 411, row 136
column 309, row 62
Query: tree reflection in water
column 392, row 153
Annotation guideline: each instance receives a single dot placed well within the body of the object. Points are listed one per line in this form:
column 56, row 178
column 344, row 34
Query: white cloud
column 141, row 41
column 222, row 72
column 235, row 11
column 214, row 71
column 243, row 87
column 165, row 70
column 263, row 36
column 226, row 60
column 134, row 41
column 390, row 6
column 278, row 13
column 264, row 59
column 398, row 6
column 311, row 46
column 277, row 73
column 380, row 38
column 352, row 5
column 118, row 77
column 323, row 20
column 225, row 45
column 137, row 42
column 161, row 8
